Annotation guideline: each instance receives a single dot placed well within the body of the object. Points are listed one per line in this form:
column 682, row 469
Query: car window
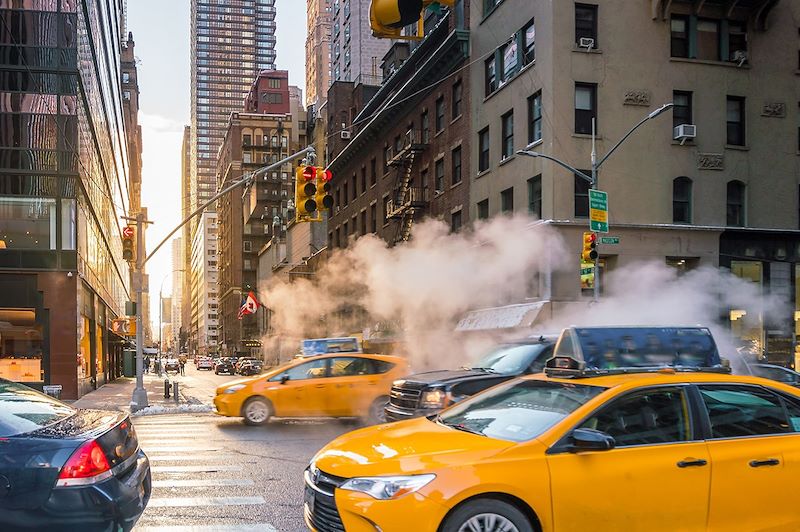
column 518, row 411
column 645, row 418
column 382, row 366
column 736, row 411
column 314, row 369
column 537, row 366
column 23, row 409
column 776, row 374
column 347, row 366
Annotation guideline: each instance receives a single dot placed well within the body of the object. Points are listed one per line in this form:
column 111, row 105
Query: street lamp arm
column 246, row 179
column 634, row 128
column 557, row 161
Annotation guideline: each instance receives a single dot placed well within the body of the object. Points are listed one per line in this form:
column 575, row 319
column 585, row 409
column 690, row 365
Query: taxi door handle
column 320, row 386
column 689, row 462
column 767, row 462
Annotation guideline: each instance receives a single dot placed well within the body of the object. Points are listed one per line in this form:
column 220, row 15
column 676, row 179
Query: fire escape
column 407, row 198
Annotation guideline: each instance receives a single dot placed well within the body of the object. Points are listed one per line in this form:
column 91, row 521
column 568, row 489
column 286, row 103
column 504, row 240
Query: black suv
column 427, row 393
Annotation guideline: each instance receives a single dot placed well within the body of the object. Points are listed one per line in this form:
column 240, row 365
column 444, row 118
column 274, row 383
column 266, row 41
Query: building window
column 386, row 156
column 735, row 204
column 586, row 23
column 126, row 95
column 483, row 147
column 458, row 89
column 247, row 140
column 439, row 113
column 735, row 117
column 682, row 200
column 737, row 42
column 355, row 187
column 373, row 216
column 585, row 107
column 535, row 196
column 491, row 75
column 439, row 175
column 274, row 83
column 373, row 175
column 679, row 36
column 488, row 5
column 363, row 223
column 582, row 195
column 483, row 209
column 682, row 110
column 455, row 221
column 528, row 35
column 708, row 39
column 426, row 127
column 508, row 135
column 455, row 159
column 385, row 210
column 248, row 246
column 507, row 200
column 345, row 195
column 509, row 59
column 535, row 117
column 126, row 77
column 423, row 177
column 363, row 179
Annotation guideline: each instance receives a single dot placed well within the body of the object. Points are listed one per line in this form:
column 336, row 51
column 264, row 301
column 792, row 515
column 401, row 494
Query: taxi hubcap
column 488, row 523
column 256, row 412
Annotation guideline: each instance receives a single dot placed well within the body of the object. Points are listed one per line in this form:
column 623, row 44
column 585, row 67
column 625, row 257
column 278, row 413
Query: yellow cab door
column 352, row 385
column 755, row 456
column 303, row 390
column 656, row 477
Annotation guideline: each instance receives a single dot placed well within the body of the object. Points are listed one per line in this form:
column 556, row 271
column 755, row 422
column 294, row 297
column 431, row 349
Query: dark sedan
column 67, row 469
column 225, row 366
column 250, row 368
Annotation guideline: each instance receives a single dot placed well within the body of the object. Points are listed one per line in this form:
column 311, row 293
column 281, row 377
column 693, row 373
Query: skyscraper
column 231, row 42
column 318, row 51
column 355, row 54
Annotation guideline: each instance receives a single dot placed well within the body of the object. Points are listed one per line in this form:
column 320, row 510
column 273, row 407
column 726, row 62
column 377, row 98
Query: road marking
column 258, row 527
column 202, row 482
column 171, row 502
column 179, row 458
column 181, row 449
column 209, row 468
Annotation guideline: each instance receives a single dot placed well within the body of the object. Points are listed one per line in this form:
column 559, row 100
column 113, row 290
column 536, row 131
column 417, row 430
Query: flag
column 250, row 305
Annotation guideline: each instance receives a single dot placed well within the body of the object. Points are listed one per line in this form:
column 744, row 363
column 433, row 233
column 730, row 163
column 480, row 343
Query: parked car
column 224, row 365
column 205, row 363
column 63, row 468
column 776, row 373
column 352, row 385
column 172, row 365
column 244, row 360
column 250, row 368
column 423, row 394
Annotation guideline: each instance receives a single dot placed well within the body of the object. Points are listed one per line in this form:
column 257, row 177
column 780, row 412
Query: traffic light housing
column 388, row 17
column 589, row 251
column 305, row 191
column 129, row 246
column 323, row 198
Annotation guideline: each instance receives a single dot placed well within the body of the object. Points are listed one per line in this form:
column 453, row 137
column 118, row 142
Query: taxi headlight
column 434, row 399
column 233, row 389
column 384, row 488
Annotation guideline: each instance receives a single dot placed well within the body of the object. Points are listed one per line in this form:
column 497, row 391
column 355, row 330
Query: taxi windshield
column 519, row 411
column 509, row 359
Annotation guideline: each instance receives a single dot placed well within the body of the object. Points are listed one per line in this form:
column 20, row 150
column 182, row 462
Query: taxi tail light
column 87, row 462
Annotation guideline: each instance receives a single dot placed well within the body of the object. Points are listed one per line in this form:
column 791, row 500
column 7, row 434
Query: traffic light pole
column 139, row 399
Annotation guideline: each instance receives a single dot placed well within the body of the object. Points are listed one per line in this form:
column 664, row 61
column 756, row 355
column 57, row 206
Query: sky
column 161, row 32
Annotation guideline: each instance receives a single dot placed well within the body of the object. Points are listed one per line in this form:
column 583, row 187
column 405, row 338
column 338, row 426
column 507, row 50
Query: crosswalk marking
column 169, row 502
column 209, row 468
column 202, row 482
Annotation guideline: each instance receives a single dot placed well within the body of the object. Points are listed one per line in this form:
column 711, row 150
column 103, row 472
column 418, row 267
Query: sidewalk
column 116, row 395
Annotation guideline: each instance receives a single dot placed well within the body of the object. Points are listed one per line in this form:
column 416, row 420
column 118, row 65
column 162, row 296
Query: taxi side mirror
column 591, row 440
column 284, row 379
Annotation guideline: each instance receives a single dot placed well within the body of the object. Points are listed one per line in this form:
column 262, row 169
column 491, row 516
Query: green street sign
column 609, row 240
column 598, row 211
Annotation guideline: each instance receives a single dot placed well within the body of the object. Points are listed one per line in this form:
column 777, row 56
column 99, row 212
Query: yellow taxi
column 612, row 448
column 346, row 385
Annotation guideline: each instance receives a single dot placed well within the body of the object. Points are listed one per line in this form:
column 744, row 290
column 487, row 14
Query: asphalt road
column 214, row 473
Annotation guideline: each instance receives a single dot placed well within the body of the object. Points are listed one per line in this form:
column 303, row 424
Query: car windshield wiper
column 459, row 426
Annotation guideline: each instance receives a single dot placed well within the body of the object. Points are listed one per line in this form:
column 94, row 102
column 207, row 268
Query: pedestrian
column 147, row 364
column 158, row 366
column 182, row 364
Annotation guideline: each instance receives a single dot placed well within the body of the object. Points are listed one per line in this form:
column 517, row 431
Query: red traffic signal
column 589, row 251
column 325, row 175
column 309, row 173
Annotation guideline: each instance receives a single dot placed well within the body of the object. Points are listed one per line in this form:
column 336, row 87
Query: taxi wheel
column 256, row 411
column 377, row 414
column 487, row 516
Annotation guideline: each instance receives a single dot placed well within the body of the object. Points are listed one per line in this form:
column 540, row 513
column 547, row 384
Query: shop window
column 21, row 345
column 28, row 223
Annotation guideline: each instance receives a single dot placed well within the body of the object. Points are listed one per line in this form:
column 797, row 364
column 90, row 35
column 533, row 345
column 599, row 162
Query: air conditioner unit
column 345, row 135
column 586, row 42
column 684, row 132
column 739, row 57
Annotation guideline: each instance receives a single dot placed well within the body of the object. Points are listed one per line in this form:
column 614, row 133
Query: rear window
column 518, row 411
column 23, row 409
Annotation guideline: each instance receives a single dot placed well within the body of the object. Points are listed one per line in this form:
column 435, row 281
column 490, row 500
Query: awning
column 507, row 317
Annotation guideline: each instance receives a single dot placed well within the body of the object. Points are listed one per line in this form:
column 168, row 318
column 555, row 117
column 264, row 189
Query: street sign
column 128, row 231
column 598, row 211
column 609, row 240
column 124, row 326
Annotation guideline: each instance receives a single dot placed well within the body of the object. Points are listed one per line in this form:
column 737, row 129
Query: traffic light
column 323, row 198
column 388, row 17
column 128, row 244
column 305, row 191
column 589, row 251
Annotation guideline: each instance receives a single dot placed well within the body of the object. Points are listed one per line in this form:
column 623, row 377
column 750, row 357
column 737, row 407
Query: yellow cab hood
column 404, row 448
column 245, row 380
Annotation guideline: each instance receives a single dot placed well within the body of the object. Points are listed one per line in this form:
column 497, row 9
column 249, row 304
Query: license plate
column 309, row 500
